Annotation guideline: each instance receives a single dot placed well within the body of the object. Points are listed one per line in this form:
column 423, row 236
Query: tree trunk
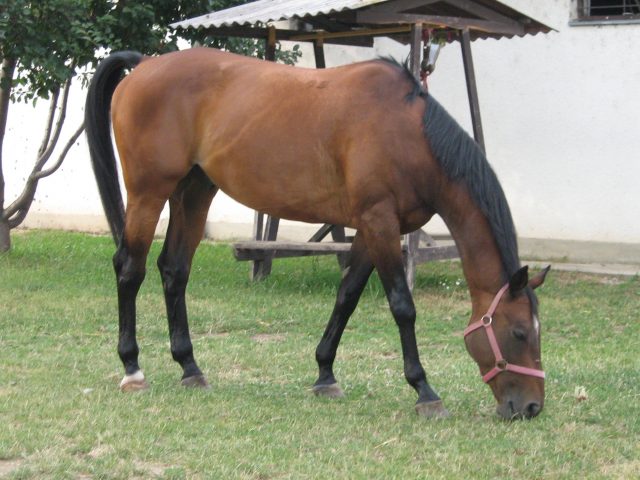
column 5, row 237
column 6, row 76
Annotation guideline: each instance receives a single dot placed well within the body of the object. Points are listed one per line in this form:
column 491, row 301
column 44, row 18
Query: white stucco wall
column 560, row 115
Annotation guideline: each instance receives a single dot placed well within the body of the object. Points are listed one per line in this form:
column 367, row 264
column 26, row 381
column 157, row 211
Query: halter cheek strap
column 501, row 364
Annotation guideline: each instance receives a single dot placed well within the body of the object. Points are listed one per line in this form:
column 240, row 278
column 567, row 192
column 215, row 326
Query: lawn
column 62, row 415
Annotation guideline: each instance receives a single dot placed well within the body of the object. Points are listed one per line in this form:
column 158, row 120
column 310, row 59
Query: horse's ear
column 538, row 280
column 518, row 281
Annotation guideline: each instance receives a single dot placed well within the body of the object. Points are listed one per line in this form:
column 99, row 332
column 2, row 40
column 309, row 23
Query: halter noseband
column 501, row 364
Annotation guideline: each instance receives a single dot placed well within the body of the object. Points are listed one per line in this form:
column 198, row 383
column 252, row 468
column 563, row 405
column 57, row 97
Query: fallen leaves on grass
column 580, row 393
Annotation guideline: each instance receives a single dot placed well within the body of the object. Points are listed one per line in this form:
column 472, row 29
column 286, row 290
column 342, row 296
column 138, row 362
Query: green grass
column 62, row 416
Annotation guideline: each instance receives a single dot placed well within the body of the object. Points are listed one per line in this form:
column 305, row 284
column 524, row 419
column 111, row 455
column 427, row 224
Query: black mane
column 463, row 161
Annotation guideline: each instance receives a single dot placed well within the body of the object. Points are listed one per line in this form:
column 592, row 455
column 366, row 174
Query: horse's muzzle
column 510, row 410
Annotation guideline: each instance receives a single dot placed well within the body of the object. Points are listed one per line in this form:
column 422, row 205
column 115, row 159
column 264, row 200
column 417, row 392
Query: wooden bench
column 417, row 248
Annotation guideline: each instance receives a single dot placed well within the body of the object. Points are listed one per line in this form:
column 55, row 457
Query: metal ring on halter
column 502, row 364
column 488, row 321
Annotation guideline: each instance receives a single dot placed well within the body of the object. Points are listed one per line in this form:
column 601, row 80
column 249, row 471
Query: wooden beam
column 322, row 232
column 399, row 6
column 326, row 24
column 262, row 250
column 255, row 251
column 458, row 23
column 472, row 89
column 326, row 36
column 429, row 254
column 482, row 11
column 282, row 34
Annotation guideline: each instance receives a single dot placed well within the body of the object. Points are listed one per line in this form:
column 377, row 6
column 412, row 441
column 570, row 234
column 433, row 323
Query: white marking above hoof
column 133, row 382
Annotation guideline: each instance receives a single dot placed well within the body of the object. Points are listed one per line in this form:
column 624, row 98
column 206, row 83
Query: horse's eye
column 520, row 334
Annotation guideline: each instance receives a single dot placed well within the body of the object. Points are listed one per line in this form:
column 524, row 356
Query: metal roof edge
column 269, row 11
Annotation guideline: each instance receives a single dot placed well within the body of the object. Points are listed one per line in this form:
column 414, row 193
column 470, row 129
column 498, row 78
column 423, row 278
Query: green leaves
column 42, row 39
column 45, row 43
column 51, row 40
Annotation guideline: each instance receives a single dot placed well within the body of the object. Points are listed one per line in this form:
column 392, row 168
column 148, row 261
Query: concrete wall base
column 551, row 250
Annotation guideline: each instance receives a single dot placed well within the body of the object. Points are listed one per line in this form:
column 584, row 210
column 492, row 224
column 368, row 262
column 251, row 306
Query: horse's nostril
column 532, row 409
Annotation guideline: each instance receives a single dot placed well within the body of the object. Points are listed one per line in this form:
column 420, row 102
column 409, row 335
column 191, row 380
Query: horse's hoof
column 330, row 391
column 196, row 381
column 134, row 382
column 433, row 409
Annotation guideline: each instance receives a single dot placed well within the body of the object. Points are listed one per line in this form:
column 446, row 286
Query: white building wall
column 561, row 123
column 561, row 116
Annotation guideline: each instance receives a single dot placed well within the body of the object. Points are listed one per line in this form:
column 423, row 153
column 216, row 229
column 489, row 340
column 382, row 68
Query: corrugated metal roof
column 271, row 11
column 485, row 18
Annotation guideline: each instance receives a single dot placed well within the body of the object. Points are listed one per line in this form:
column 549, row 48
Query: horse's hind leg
column 189, row 205
column 353, row 282
column 382, row 236
column 129, row 264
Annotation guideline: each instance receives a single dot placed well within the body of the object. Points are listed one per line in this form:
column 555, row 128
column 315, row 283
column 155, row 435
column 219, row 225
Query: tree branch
column 23, row 202
column 15, row 213
column 18, row 218
column 53, row 106
column 61, row 157
column 44, row 157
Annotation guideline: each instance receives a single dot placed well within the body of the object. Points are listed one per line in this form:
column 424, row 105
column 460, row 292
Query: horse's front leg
column 354, row 280
column 382, row 234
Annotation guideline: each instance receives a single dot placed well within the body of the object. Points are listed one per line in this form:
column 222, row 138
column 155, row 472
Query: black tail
column 97, row 121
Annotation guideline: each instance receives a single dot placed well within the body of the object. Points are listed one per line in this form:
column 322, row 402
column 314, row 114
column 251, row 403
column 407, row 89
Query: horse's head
column 505, row 343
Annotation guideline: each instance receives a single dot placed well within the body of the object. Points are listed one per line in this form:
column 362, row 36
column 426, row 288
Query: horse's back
column 279, row 139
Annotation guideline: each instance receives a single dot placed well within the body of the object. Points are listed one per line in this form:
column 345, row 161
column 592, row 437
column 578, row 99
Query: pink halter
column 501, row 364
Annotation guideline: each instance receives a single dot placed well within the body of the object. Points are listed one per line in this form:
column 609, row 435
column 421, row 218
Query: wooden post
column 270, row 50
column 415, row 55
column 258, row 223
column 318, row 52
column 472, row 90
column 337, row 232
column 412, row 240
column 255, row 272
column 262, row 230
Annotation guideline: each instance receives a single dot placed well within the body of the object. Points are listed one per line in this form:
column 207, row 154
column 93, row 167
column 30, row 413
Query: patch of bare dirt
column 622, row 470
column 611, row 280
column 152, row 470
column 9, row 465
column 268, row 337
column 100, row 451
column 198, row 336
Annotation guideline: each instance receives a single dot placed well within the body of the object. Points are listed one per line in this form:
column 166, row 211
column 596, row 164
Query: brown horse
column 361, row 146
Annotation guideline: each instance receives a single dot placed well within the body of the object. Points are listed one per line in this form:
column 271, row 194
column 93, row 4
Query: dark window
column 609, row 9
